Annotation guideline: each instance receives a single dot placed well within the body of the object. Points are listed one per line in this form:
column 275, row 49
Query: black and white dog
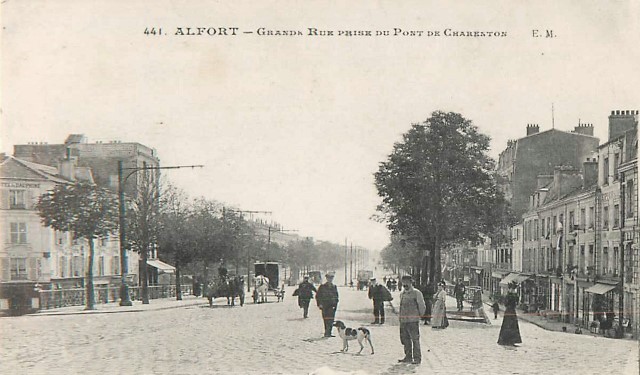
column 351, row 334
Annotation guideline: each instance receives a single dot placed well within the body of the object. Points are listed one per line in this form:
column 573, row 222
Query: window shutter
column 4, row 199
column 32, row 269
column 28, row 199
column 5, row 264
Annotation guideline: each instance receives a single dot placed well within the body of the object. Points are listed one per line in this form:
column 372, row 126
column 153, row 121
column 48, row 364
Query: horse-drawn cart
column 266, row 281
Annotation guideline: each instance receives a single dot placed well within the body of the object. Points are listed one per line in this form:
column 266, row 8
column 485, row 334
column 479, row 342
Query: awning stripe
column 162, row 266
column 600, row 288
column 513, row 277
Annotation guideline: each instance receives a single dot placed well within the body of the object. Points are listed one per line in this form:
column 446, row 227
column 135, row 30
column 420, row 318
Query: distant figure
column 459, row 291
column 327, row 300
column 495, row 307
column 378, row 293
column 439, row 314
column 510, row 331
column 305, row 294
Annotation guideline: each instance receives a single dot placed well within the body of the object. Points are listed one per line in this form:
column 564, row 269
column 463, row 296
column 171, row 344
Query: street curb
column 93, row 312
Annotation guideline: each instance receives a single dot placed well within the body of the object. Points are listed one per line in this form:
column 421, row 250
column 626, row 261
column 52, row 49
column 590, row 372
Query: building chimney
column 67, row 167
column 621, row 121
column 586, row 129
column 589, row 172
column 532, row 129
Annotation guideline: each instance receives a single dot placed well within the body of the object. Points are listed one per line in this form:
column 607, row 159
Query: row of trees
column 196, row 235
column 438, row 187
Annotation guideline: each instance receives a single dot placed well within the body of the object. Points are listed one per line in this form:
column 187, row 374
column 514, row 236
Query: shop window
column 18, row 233
column 16, row 200
column 19, row 269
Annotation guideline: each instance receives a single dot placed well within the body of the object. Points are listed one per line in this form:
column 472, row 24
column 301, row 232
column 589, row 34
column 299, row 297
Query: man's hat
column 407, row 277
column 305, row 277
column 373, row 279
column 329, row 276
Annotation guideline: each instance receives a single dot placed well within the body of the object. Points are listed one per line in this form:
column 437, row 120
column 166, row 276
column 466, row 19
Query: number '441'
column 152, row 31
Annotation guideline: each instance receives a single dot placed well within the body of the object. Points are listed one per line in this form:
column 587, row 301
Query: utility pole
column 125, row 299
column 351, row 264
column 345, row 261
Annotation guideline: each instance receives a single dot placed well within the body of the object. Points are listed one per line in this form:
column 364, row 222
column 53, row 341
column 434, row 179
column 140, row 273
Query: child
column 495, row 308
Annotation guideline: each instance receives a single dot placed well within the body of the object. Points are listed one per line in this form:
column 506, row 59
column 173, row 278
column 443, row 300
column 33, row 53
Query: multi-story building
column 538, row 153
column 580, row 235
column 38, row 254
column 103, row 159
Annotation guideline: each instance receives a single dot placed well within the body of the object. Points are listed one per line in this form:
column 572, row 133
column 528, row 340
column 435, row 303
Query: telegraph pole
column 345, row 262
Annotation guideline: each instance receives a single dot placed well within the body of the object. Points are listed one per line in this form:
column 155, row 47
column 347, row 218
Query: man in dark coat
column 378, row 293
column 327, row 300
column 459, row 291
column 305, row 294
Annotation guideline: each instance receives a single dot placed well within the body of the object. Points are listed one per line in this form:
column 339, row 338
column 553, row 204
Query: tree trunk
column 178, row 284
column 90, row 301
column 437, row 271
column 144, row 276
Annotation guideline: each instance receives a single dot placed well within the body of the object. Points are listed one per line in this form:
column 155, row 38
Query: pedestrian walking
column 510, row 331
column 327, row 300
column 305, row 294
column 459, row 291
column 412, row 307
column 439, row 313
column 379, row 294
column 495, row 307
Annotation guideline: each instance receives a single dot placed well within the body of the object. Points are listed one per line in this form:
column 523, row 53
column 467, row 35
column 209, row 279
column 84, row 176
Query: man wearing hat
column 327, row 300
column 305, row 294
column 378, row 293
column 412, row 308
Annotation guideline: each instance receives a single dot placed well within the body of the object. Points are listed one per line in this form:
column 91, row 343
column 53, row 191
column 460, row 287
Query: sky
column 297, row 125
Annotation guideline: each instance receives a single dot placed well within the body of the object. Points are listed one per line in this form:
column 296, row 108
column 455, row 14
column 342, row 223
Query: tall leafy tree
column 175, row 239
column 437, row 185
column 143, row 223
column 85, row 210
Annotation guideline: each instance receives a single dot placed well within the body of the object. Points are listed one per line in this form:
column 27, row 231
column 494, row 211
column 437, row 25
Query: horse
column 226, row 287
column 261, row 289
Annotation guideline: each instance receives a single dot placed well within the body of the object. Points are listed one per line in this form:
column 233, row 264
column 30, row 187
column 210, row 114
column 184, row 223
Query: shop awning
column 600, row 288
column 162, row 266
column 513, row 277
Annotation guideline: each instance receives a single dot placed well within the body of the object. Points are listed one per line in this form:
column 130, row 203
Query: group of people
column 412, row 309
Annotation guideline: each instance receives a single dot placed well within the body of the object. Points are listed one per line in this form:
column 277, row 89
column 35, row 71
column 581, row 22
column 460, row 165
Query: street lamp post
column 125, row 299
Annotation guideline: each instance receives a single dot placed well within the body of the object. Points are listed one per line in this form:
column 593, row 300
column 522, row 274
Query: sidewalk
column 540, row 321
column 137, row 306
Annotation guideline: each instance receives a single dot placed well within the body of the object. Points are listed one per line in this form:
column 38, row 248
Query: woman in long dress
column 439, row 312
column 510, row 331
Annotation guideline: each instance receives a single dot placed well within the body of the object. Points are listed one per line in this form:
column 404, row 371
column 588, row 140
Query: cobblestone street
column 273, row 338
